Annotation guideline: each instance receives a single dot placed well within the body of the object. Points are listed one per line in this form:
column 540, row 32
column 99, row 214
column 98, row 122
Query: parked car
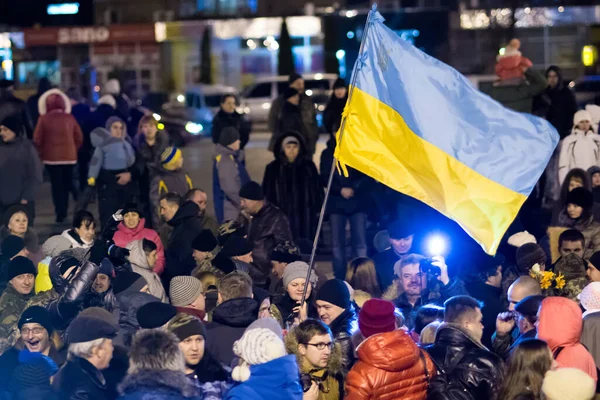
column 257, row 98
column 188, row 114
column 586, row 89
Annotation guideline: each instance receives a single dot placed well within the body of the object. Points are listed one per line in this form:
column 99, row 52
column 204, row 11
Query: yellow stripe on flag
column 378, row 143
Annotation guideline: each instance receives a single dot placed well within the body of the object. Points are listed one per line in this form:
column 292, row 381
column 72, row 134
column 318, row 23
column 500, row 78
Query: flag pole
column 333, row 164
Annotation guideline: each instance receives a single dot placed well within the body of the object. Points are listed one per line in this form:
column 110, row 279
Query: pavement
column 198, row 163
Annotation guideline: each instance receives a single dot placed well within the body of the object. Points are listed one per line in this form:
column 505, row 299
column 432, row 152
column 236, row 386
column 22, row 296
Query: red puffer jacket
column 390, row 367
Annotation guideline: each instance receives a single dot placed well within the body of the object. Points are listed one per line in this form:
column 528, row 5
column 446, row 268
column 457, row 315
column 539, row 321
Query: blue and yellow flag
column 420, row 127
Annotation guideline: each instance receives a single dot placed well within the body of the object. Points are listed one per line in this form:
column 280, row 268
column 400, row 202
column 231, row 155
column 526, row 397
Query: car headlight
column 193, row 128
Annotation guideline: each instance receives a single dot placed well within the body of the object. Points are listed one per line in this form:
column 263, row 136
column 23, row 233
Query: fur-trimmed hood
column 156, row 385
column 335, row 366
column 54, row 100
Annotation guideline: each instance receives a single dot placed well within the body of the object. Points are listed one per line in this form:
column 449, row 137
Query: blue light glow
column 350, row 35
column 63, row 9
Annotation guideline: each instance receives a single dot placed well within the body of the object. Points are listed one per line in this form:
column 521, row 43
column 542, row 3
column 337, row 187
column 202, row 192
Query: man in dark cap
column 20, row 289
column 269, row 227
column 90, row 351
column 155, row 314
column 12, row 246
column 402, row 235
column 301, row 107
column 523, row 318
column 10, row 105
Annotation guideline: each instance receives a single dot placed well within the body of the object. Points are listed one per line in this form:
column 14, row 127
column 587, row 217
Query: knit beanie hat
column 107, row 268
column 339, row 83
column 256, row 346
column 236, row 246
column 14, row 123
column 296, row 270
column 228, row 136
column 286, row 252
column 267, row 323
column 594, row 169
column 224, row 264
column 520, row 238
column 55, row 245
column 128, row 281
column 376, row 316
column 568, row 384
column 184, row 290
column 581, row 115
column 170, row 157
column 294, row 77
column 131, row 208
column 336, row 292
column 590, row 297
column 528, row 255
column 20, row 266
column 184, row 326
column 11, row 246
column 252, row 191
column 581, row 197
column 155, row 314
column 205, row 241
column 36, row 315
column 14, row 210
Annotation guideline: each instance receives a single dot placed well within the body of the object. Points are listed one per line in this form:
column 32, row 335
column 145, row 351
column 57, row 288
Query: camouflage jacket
column 12, row 305
column 42, row 299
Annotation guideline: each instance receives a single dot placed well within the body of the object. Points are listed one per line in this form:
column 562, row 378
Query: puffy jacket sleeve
column 38, row 137
column 229, row 179
column 96, row 163
column 129, row 153
column 159, row 267
column 501, row 344
column 77, row 134
column 358, row 386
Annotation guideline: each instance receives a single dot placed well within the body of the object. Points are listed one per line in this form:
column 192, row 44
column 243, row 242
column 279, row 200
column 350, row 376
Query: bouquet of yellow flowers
column 547, row 279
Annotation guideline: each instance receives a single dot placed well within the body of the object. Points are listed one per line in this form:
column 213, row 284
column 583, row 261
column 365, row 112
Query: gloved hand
column 118, row 253
column 98, row 252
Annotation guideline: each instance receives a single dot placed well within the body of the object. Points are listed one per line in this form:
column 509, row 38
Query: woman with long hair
column 527, row 365
column 361, row 275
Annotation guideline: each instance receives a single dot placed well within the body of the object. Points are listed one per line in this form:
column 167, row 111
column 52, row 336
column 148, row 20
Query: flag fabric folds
column 418, row 126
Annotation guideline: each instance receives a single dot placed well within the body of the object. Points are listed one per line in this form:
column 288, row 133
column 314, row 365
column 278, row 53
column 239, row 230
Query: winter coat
column 578, row 150
column 235, row 120
column 463, row 365
column 212, row 378
column 503, row 345
column 590, row 335
column 76, row 240
column 163, row 385
column 558, row 106
column 511, row 64
column 20, row 171
column 560, row 324
column 295, row 188
column 282, row 309
column 229, row 321
column 124, row 236
column 128, row 303
column 111, row 153
column 186, row 226
column 518, row 97
column 267, row 229
column 491, row 297
column 332, row 116
column 229, row 175
column 343, row 327
column 308, row 120
column 384, row 266
column 151, row 154
column 355, row 180
column 164, row 182
column 139, row 264
column 390, row 366
column 587, row 226
column 78, row 379
column 274, row 380
column 12, row 304
column 57, row 135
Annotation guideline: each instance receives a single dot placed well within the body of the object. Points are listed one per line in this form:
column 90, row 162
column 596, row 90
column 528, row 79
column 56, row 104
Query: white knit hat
column 581, row 115
column 256, row 346
column 590, row 297
column 568, row 384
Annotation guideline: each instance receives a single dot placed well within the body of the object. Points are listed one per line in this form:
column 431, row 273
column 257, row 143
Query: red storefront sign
column 89, row 35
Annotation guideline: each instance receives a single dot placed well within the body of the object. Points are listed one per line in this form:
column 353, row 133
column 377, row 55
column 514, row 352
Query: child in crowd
column 142, row 256
column 83, row 232
column 170, row 177
column 511, row 64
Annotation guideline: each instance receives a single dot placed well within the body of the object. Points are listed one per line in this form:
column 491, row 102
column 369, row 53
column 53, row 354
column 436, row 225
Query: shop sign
column 83, row 35
column 143, row 33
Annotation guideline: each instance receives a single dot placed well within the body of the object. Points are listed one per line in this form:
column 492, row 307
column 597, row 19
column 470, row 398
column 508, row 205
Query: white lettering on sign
column 83, row 35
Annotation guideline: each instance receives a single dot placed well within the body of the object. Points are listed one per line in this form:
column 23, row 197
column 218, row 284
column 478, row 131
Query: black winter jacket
column 78, row 379
column 343, row 327
column 229, row 321
column 465, row 367
column 224, row 120
column 128, row 303
column 267, row 229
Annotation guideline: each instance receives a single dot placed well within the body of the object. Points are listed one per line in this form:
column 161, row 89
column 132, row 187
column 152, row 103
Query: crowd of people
column 158, row 299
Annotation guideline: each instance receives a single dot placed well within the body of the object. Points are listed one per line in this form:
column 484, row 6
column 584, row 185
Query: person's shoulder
column 482, row 359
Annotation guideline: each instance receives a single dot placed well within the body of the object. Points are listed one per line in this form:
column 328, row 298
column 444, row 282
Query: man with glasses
column 35, row 327
column 319, row 359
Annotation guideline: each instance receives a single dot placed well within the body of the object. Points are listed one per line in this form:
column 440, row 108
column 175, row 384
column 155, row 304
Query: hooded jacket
column 124, row 236
column 390, row 366
column 57, row 135
column 578, row 150
column 274, row 380
column 139, row 264
column 164, row 385
column 463, row 365
column 295, row 188
column 229, row 175
column 307, row 119
column 111, row 153
column 560, row 325
column 557, row 105
column 20, row 171
column 229, row 321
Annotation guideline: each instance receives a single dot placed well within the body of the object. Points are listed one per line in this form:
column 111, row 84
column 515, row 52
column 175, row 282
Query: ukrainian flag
column 420, row 127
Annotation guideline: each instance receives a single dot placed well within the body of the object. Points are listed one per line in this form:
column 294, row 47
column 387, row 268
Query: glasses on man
column 321, row 346
column 35, row 331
